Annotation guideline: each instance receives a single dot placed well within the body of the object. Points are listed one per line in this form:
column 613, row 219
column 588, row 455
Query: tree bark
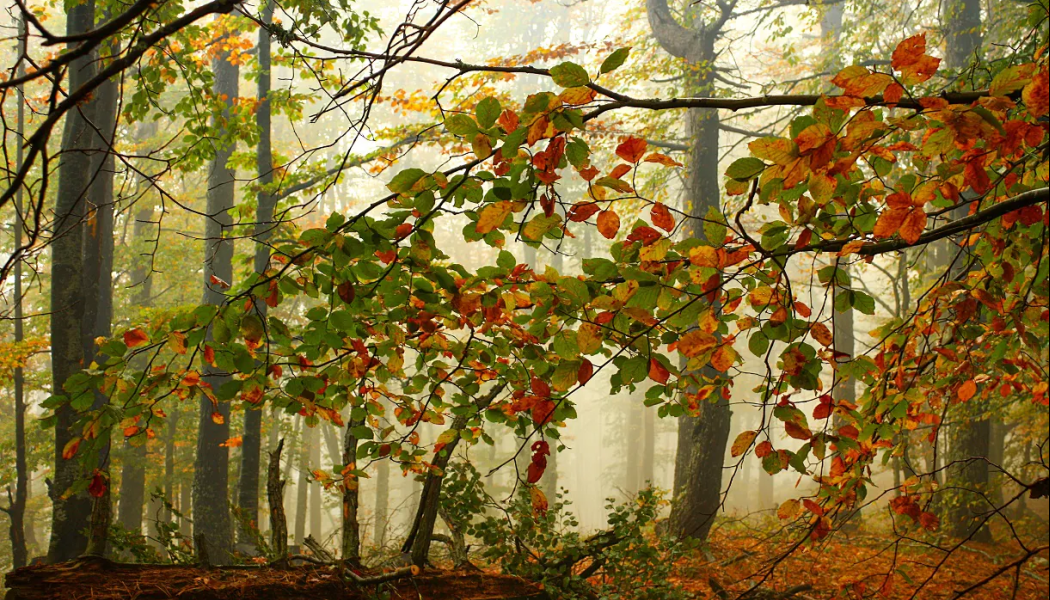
column 702, row 439
column 251, row 446
column 71, row 513
column 211, row 515
column 132, row 494
column 351, row 545
column 17, row 510
column 302, row 491
column 382, row 502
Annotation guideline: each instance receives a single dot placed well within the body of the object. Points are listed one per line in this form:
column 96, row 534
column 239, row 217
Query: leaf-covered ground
column 864, row 566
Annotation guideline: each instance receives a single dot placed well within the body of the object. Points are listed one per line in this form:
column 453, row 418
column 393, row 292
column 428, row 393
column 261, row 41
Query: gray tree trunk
column 71, row 513
column 702, row 439
column 211, row 514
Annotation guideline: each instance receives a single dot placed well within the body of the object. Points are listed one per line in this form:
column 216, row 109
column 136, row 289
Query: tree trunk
column 251, row 439
column 648, row 474
column 351, row 545
column 71, row 513
column 17, row 510
column 132, row 494
column 702, row 439
column 316, row 491
column 302, row 491
column 211, row 515
column 382, row 502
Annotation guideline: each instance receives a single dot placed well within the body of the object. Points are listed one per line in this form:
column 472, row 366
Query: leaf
column 569, row 75
column 696, row 342
column 70, row 449
column 822, row 334
column 135, row 337
column 97, row 488
column 789, row 509
column 658, row 372
column 859, row 82
column 581, row 211
column 402, row 230
column 778, row 151
column 614, row 60
column 764, row 449
column 608, row 223
column 1011, row 79
column 797, row 431
column 217, row 418
column 662, row 159
column 577, row 95
column 723, row 358
column 632, row 149
column 589, row 338
column 508, row 120
column 219, row 283
column 911, row 60
column 538, row 499
column 492, row 216
column 346, row 292
column 583, row 374
column 967, row 390
column 742, row 443
column 661, row 217
column 1036, row 95
column 487, row 111
column 744, row 169
column 177, row 342
column 402, row 182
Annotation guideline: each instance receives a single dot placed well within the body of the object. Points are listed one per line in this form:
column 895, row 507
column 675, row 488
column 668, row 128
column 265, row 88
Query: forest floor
column 99, row 580
column 864, row 565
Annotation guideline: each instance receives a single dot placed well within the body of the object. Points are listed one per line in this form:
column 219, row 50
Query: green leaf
column 403, row 181
column 758, row 343
column 569, row 75
column 614, row 60
column 863, row 302
column 460, row 124
column 714, row 230
column 744, row 169
column 487, row 111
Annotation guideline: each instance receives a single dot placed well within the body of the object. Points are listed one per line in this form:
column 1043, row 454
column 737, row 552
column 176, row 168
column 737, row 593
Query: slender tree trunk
column 251, row 447
column 316, row 490
column 634, row 438
column 351, row 545
column 133, row 475
column 17, row 510
column 702, row 439
column 382, row 502
column 71, row 512
column 211, row 514
column 302, row 491
column 648, row 447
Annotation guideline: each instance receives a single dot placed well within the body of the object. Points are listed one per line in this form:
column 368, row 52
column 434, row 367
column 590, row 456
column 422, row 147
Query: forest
column 525, row 299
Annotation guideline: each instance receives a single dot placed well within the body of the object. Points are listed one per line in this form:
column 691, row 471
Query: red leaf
column 657, row 372
column 403, row 230
column 135, row 337
column 581, row 211
column 540, row 387
column 764, row 449
column 619, row 171
column 346, row 292
column 536, row 472
column 583, row 375
column 608, row 223
column 967, row 390
column 662, row 217
column 632, row 149
column 98, row 485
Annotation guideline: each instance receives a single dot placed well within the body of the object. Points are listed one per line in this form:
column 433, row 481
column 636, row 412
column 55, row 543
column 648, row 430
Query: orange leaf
column 508, row 120
column 608, row 223
column 581, row 211
column 70, row 449
column 764, row 449
column 966, row 390
column 219, row 283
column 662, row 217
column 1036, row 95
column 619, row 171
column 492, row 216
column 913, row 226
column 859, row 82
column 135, row 337
column 658, row 372
column 696, row 342
column 632, row 149
column 539, row 500
column 403, row 230
column 723, row 358
column 822, row 334
column 789, row 509
column 742, row 443
column 217, row 418
column 797, row 431
column 662, row 159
